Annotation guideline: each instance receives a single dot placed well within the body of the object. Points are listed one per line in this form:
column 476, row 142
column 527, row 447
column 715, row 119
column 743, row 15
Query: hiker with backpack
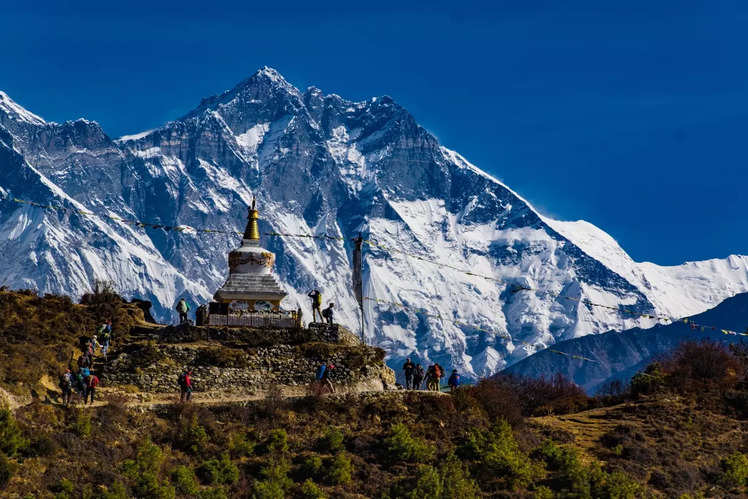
column 418, row 377
column 182, row 308
column 185, row 386
column 92, row 381
column 322, row 377
column 439, row 372
column 105, row 336
column 327, row 313
column 79, row 383
column 408, row 369
column 66, row 385
column 454, row 380
column 431, row 384
column 316, row 297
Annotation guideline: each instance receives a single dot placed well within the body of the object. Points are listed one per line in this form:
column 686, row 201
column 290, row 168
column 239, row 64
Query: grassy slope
column 372, row 445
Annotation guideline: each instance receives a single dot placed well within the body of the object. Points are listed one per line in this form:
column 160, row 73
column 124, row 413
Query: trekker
column 431, row 378
column 454, row 380
column 80, row 385
column 418, row 377
column 66, row 385
column 105, row 336
column 439, row 371
column 316, row 297
column 91, row 383
column 185, row 386
column 327, row 313
column 408, row 369
column 183, row 308
column 323, row 376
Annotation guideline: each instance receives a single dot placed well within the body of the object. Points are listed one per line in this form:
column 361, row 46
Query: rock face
column 320, row 164
column 241, row 361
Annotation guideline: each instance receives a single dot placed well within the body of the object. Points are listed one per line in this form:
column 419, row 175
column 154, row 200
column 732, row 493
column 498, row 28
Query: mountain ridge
column 321, row 164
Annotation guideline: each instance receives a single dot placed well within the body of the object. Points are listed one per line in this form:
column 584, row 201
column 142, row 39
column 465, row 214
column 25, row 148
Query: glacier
column 321, row 164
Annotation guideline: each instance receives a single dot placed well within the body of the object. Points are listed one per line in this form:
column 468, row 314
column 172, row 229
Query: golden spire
column 252, row 231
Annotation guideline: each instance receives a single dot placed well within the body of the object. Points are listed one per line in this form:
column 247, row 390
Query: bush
column 277, row 442
column 585, row 480
column 11, row 438
column 402, row 446
column 694, row 365
column 42, row 446
column 219, row 471
column 541, row 396
column 145, row 472
column 310, row 490
column 82, row 424
column 649, row 381
column 339, row 470
column 275, row 482
column 735, row 470
column 7, row 470
column 193, row 438
column 184, row 480
column 311, row 466
column 495, row 397
column 456, row 480
column 332, row 441
column 241, row 445
column 499, row 456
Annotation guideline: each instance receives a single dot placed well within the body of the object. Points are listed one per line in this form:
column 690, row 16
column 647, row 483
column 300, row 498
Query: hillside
column 322, row 165
column 680, row 428
column 617, row 356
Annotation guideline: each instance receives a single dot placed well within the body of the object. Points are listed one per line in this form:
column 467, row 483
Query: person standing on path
column 418, row 377
column 316, row 297
column 185, row 386
column 91, row 383
column 328, row 313
column 408, row 369
column 454, row 381
column 105, row 336
column 183, row 308
column 66, row 385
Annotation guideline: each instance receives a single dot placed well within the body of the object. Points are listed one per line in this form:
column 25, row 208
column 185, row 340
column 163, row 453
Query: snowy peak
column 16, row 112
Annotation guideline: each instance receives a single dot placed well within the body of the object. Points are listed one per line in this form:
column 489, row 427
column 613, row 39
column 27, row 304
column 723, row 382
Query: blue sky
column 630, row 116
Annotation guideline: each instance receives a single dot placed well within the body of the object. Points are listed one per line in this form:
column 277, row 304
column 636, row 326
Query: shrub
column 219, row 471
column 339, row 470
column 456, row 480
column 275, row 482
column 694, row 365
column 735, row 470
column 117, row 491
column 11, row 438
column 428, row 483
column 214, row 493
column 332, row 441
column 277, row 442
column 241, row 445
column 310, row 490
column 402, row 446
column 651, row 380
column 495, row 397
column 42, row 446
column 81, row 426
column 311, row 466
column 193, row 438
column 7, row 469
column 145, row 470
column 539, row 396
column 184, row 480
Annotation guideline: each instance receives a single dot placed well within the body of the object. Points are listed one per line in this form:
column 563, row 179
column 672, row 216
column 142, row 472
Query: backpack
column 65, row 382
column 318, row 299
column 182, row 380
column 321, row 372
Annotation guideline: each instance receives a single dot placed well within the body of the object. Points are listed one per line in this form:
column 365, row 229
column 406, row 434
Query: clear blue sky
column 631, row 116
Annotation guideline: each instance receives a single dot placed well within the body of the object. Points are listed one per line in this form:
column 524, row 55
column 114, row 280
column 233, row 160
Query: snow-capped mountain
column 324, row 165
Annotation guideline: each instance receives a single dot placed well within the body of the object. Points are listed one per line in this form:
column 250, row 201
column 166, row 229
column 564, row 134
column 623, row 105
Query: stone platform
column 236, row 360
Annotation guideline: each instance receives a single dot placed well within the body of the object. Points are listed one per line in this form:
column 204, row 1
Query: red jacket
column 93, row 381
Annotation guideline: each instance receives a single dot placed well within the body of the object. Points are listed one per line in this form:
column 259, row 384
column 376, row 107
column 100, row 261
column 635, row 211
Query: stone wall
column 235, row 362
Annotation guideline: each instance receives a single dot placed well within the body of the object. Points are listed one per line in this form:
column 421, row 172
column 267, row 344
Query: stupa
column 251, row 296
